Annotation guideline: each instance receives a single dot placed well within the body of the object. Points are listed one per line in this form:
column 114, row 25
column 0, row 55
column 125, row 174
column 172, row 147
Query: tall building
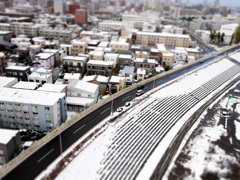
column 216, row 4
column 60, row 6
column 73, row 7
column 205, row 3
column 81, row 16
column 167, row 3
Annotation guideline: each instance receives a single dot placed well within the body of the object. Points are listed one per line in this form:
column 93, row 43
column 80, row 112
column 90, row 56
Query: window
column 47, row 108
column 48, row 121
column 20, row 74
column 47, row 115
column 15, row 73
column 1, row 152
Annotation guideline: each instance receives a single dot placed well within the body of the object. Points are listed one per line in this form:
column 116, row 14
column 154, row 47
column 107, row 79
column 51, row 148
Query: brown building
column 72, row 8
column 81, row 16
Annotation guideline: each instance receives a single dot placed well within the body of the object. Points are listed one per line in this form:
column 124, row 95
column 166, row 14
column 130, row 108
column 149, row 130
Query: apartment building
column 118, row 45
column 45, row 59
column 180, row 54
column 74, row 63
column 32, row 110
column 29, row 29
column 124, row 60
column 171, row 40
column 109, row 25
column 6, row 35
column 100, row 35
column 78, row 47
column 100, row 67
column 111, row 57
column 96, row 55
column 10, row 145
column 66, row 48
column 20, row 72
column 51, row 33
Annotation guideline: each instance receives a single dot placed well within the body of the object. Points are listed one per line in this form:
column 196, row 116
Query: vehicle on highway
column 140, row 87
column 202, row 61
column 139, row 92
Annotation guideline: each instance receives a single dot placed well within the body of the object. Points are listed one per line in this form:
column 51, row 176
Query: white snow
column 6, row 135
column 97, row 159
column 237, row 126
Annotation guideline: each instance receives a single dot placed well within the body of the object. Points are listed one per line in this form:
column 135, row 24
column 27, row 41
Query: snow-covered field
column 132, row 146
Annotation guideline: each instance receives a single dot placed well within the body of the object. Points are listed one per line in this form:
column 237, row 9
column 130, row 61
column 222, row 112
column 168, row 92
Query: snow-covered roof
column 96, row 53
column 65, row 45
column 141, row 60
column 79, row 101
column 4, row 81
column 102, row 79
column 89, row 78
column 52, row 87
column 29, row 96
column 44, row 55
column 26, row 85
column 163, row 34
column 72, row 76
column 125, row 56
column 103, row 44
column 21, row 68
column 128, row 69
column 141, row 71
column 192, row 50
column 51, row 50
column 39, row 75
column 141, row 52
column 6, row 135
column 162, row 47
column 118, row 43
column 78, row 42
column 168, row 54
column 154, row 50
column 112, row 55
column 98, row 62
column 236, row 56
column 116, row 79
column 75, row 58
column 84, row 86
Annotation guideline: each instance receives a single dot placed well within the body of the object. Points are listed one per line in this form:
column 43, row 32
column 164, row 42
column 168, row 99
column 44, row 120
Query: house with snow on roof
column 75, row 63
column 145, row 63
column 20, row 72
column 101, row 81
column 10, row 145
column 116, row 84
column 100, row 67
column 68, row 77
column 128, row 72
column 141, row 73
column 45, row 60
column 81, row 95
column 124, row 60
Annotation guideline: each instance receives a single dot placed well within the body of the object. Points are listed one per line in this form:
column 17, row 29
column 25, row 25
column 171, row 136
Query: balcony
column 19, row 114
column 25, row 108
column 11, row 113
column 3, row 113
column 35, row 116
column 9, row 107
column 36, row 123
column 18, row 108
column 20, row 121
column 34, row 109
column 2, row 107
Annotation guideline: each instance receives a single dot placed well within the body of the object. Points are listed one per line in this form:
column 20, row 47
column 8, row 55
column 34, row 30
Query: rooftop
column 26, row 85
column 21, row 68
column 72, row 76
column 4, row 81
column 163, row 34
column 52, row 87
column 98, row 62
column 6, row 135
column 76, row 58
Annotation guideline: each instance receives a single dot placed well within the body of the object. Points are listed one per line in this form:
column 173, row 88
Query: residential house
column 75, row 63
column 96, row 55
column 68, row 77
column 100, row 67
column 10, row 145
column 111, row 57
column 167, row 59
column 116, row 84
column 118, row 45
column 81, row 95
column 193, row 52
column 19, row 72
column 180, row 54
column 45, row 60
column 141, row 54
column 78, row 47
column 141, row 73
column 145, row 63
column 124, row 60
column 66, row 48
column 128, row 72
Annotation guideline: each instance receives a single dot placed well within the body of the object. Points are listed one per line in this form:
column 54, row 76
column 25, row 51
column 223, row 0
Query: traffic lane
column 37, row 162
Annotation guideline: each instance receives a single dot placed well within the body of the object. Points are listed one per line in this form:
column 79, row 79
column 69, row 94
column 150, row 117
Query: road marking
column 185, row 71
column 126, row 98
column 45, row 155
column 105, row 110
column 145, row 87
column 159, row 81
column 78, row 129
column 172, row 76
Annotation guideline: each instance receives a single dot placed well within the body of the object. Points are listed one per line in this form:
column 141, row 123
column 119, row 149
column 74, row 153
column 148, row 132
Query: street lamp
column 112, row 105
column 60, row 140
column 154, row 82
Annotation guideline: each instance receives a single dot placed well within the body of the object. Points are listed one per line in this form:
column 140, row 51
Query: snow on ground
column 237, row 126
column 71, row 114
column 87, row 164
column 205, row 152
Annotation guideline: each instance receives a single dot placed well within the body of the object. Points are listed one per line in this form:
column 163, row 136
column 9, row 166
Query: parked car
column 139, row 92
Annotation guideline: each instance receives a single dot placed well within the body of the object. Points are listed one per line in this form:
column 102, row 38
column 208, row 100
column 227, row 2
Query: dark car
column 140, row 87
column 139, row 92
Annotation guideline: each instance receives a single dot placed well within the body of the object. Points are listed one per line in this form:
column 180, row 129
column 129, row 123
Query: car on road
column 139, row 92
column 140, row 87
column 202, row 61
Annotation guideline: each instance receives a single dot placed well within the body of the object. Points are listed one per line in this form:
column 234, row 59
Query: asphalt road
column 40, row 160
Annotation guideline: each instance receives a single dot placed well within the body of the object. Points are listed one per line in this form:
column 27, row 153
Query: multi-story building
column 145, row 63
column 60, row 6
column 29, row 29
column 78, row 47
column 111, row 57
column 32, row 110
column 74, row 63
column 51, row 33
column 141, row 54
column 45, row 60
column 66, row 48
column 180, row 54
column 124, row 60
column 20, row 72
column 73, row 7
column 118, row 45
column 100, row 67
column 96, row 55
column 109, row 25
column 167, row 59
column 116, row 84
column 100, row 35
column 10, row 145
column 6, row 35
column 81, row 16
column 171, row 40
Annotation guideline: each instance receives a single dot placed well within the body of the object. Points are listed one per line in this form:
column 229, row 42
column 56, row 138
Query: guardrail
column 24, row 155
